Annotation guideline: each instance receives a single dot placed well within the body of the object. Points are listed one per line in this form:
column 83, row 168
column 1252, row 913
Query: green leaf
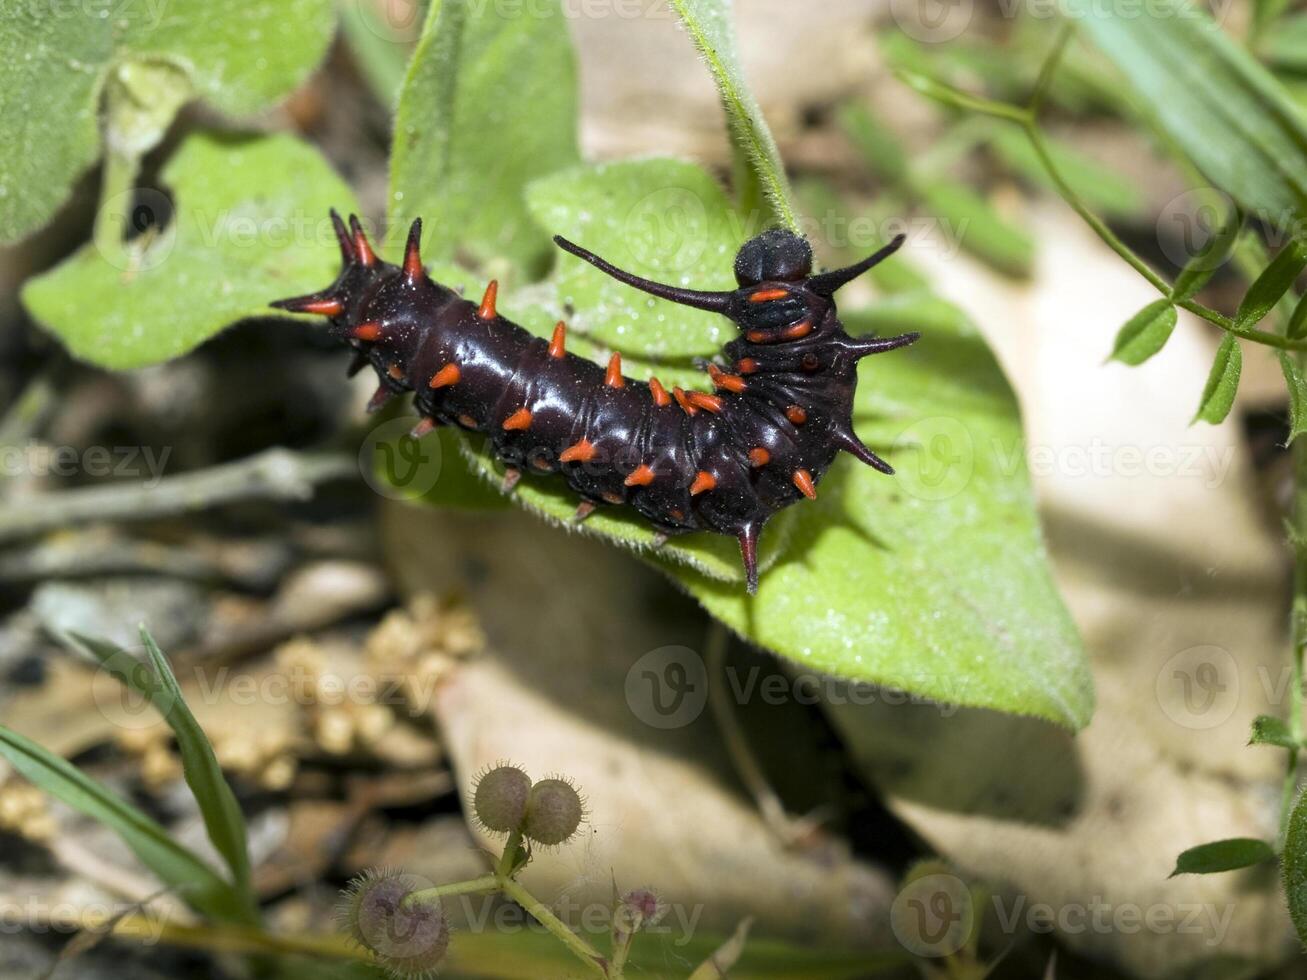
column 1223, row 855
column 969, row 220
column 1269, row 730
column 1293, row 866
column 1286, row 46
column 1273, row 283
column 875, row 141
column 222, row 815
column 1297, row 327
column 934, row 581
column 1145, row 333
column 1222, row 382
column 937, row 577
column 381, row 38
column 240, row 237
column 1208, row 94
column 1210, row 257
column 663, row 219
column 759, row 171
column 174, row 865
column 489, row 104
column 1297, row 395
column 1102, row 189
column 240, row 57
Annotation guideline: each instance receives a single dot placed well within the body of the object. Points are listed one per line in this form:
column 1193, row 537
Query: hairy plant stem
column 502, row 880
column 541, row 913
column 1297, row 626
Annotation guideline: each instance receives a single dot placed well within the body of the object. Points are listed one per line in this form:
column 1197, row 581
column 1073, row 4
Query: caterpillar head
column 777, row 255
column 778, row 299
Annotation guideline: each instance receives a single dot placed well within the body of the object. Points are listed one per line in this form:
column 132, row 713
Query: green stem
column 486, row 883
column 119, row 176
column 1298, row 626
column 1025, row 117
column 541, row 913
column 506, row 865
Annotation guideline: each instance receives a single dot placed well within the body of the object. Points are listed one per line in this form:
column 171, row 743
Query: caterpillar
column 724, row 461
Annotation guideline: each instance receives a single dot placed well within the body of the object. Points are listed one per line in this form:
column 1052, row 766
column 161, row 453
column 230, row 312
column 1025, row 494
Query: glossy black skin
column 503, row 368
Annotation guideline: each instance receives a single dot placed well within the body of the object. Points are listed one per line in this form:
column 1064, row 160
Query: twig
column 278, row 474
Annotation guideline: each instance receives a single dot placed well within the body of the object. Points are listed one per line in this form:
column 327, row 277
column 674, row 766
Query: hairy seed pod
column 554, row 811
column 409, row 938
column 500, row 797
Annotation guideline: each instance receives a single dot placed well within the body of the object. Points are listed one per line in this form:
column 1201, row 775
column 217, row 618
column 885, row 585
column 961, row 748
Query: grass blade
column 222, row 815
column 176, row 866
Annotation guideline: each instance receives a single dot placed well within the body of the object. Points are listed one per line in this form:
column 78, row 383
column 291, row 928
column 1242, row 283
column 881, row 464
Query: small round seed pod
column 500, row 798
column 409, row 938
column 642, row 907
column 554, row 811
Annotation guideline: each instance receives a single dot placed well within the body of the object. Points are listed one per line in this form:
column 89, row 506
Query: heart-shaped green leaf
column 489, row 104
column 240, row 57
column 933, row 581
column 1145, row 333
column 662, row 219
column 240, row 235
column 1222, row 382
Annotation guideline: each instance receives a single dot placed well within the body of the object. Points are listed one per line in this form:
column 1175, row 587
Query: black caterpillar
column 686, row 460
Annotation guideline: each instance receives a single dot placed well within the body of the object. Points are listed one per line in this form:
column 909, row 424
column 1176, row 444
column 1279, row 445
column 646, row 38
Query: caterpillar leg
column 749, row 552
